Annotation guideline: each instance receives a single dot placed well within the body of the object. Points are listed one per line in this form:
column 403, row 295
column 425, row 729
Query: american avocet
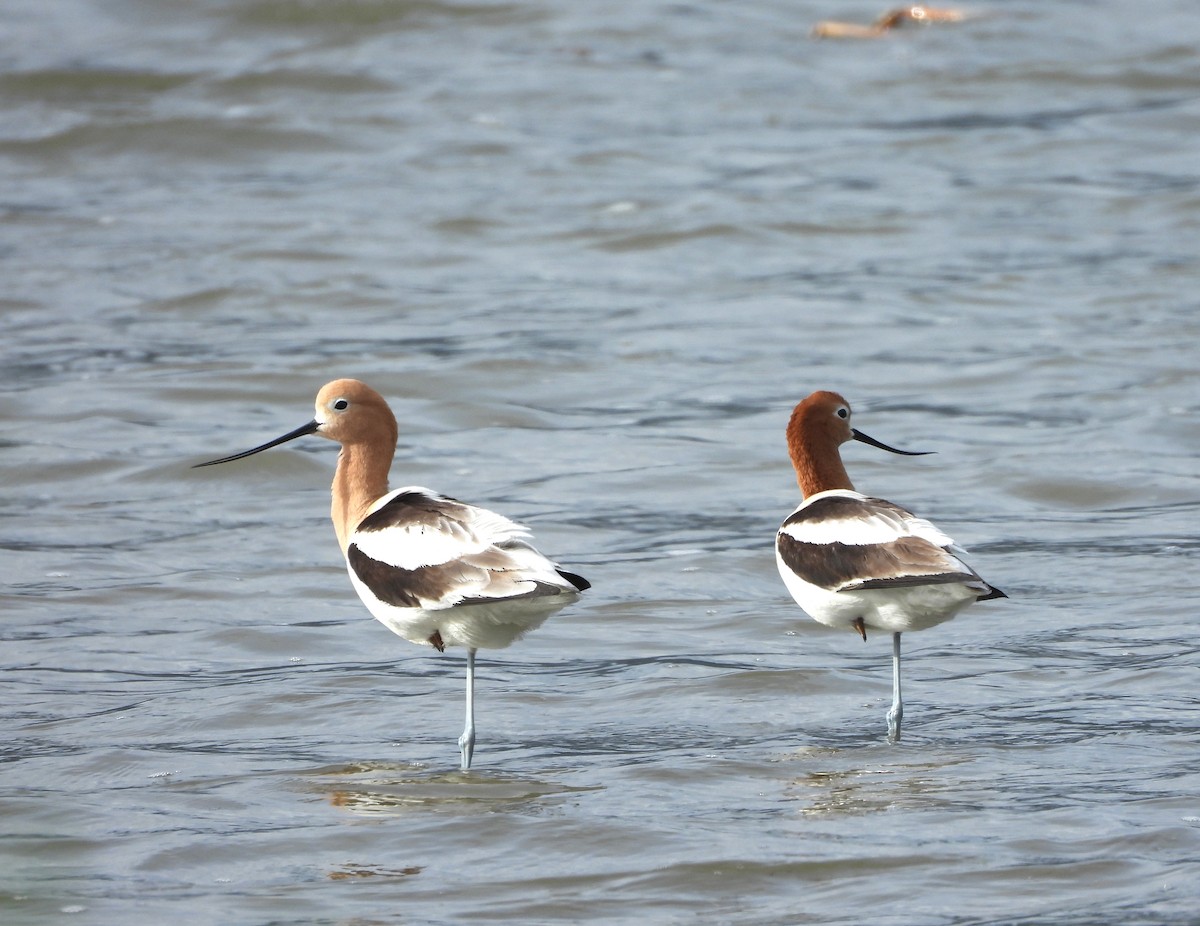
column 432, row 569
column 857, row 562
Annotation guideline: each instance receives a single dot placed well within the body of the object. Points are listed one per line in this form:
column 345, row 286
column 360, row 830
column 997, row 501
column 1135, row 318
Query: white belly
column 493, row 625
column 913, row 607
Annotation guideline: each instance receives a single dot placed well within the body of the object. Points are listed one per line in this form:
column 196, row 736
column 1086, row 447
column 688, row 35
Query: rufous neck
column 817, row 459
column 361, row 479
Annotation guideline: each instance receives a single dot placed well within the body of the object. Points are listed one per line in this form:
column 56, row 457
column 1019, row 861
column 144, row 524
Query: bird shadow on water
column 876, row 780
column 392, row 788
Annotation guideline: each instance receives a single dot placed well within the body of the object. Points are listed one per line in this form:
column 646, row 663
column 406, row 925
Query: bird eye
column 843, row 412
column 340, row 405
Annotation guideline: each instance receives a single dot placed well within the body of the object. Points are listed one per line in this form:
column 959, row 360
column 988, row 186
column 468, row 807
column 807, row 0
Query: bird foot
column 466, row 745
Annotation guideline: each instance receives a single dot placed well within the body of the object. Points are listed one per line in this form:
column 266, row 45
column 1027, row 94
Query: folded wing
column 844, row 541
column 419, row 549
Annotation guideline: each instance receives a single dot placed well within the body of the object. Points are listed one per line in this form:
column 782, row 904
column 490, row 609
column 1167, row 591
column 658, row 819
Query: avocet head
column 351, row 412
column 824, row 419
column 347, row 411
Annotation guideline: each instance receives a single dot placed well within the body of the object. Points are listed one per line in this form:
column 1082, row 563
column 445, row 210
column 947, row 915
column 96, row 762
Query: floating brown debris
column 890, row 20
column 373, row 871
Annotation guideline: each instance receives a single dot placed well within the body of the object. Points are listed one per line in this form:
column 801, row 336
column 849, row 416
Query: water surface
column 593, row 255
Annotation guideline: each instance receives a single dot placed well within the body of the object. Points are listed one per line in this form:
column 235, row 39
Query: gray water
column 593, row 254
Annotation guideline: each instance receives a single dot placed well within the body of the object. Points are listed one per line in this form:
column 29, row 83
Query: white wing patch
column 419, row 550
column 433, row 531
column 857, row 520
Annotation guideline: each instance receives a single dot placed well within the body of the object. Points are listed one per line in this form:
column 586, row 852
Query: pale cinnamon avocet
column 434, row 570
column 855, row 562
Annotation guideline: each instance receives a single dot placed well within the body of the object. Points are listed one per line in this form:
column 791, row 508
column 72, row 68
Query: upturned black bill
column 859, row 435
column 310, row 428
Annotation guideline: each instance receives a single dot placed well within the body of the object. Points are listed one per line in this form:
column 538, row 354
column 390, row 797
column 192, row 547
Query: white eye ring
column 843, row 412
column 339, row 405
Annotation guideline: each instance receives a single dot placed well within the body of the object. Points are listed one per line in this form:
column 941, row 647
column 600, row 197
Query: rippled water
column 593, row 253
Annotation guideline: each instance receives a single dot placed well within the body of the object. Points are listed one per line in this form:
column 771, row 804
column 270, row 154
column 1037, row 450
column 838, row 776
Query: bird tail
column 578, row 581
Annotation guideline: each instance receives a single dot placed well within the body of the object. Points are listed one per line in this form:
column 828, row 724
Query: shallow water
column 593, row 254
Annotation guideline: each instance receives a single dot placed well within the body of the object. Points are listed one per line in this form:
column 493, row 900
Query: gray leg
column 466, row 742
column 896, row 714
